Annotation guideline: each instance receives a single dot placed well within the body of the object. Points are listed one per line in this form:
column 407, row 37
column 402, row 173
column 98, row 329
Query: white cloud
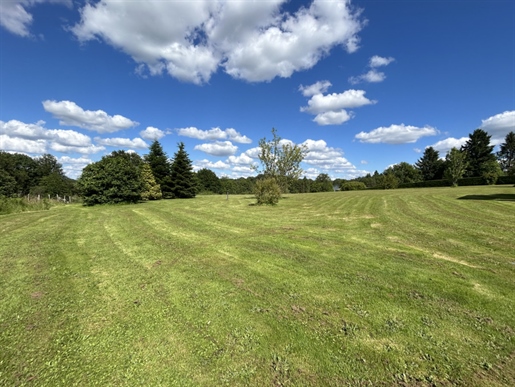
column 446, row 145
column 499, row 126
column 39, row 139
column 252, row 40
column 151, row 133
column 326, row 158
column 364, row 162
column 199, row 164
column 373, row 76
column 332, row 117
column 73, row 167
column 349, row 99
column 243, row 159
column 69, row 113
column 396, row 134
column 214, row 134
column 137, row 142
column 15, row 18
column 218, row 148
column 378, row 61
column 319, row 87
column 16, row 144
column 84, row 150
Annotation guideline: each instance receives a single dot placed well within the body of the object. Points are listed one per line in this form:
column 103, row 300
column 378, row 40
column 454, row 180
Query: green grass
column 403, row 287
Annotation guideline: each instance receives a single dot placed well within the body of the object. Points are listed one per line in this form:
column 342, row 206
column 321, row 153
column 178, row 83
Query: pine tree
column 478, row 152
column 506, row 155
column 161, row 168
column 183, row 179
column 151, row 190
column 430, row 165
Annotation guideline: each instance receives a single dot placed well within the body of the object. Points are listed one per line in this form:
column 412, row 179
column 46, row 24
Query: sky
column 361, row 84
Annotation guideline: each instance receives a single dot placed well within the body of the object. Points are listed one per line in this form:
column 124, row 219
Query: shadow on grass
column 501, row 197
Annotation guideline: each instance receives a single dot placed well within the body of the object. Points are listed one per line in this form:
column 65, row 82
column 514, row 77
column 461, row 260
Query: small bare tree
column 280, row 160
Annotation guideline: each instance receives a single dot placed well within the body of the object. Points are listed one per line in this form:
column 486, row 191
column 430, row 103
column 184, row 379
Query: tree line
column 21, row 175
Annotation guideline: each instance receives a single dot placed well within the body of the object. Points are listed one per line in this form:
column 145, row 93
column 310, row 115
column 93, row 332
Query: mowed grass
column 403, row 287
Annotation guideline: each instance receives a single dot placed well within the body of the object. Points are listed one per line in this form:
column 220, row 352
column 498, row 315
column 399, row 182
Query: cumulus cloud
column 396, row 134
column 446, row 145
column 499, row 126
column 214, row 134
column 137, row 142
column 15, row 18
column 330, row 109
column 378, row 61
column 70, row 114
column 151, row 133
column 200, row 164
column 218, row 148
column 251, row 40
column 373, row 76
column 325, row 158
column 35, row 138
column 319, row 87
column 73, row 167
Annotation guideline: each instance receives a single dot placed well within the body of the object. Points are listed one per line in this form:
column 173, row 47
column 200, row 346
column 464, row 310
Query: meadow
column 380, row 288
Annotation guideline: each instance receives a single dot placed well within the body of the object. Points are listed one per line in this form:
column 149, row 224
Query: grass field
column 402, row 287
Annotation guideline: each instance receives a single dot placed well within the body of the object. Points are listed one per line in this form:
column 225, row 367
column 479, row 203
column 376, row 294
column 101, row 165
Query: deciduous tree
column 456, row 165
column 281, row 159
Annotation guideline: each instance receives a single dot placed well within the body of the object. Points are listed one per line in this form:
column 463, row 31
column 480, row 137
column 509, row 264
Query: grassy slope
column 382, row 287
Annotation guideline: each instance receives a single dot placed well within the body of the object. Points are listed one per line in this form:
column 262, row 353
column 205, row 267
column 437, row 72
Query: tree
column 183, row 179
column 267, row 191
column 478, row 151
column 506, row 154
column 208, row 181
column 161, row 168
column 281, row 160
column 21, row 168
column 490, row 171
column 456, row 165
column 116, row 178
column 388, row 180
column 429, row 165
column 323, row 183
column 404, row 173
column 150, row 190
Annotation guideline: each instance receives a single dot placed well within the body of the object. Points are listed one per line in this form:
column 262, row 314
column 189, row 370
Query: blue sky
column 363, row 84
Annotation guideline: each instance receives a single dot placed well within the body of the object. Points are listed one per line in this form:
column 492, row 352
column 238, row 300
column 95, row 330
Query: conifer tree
column 151, row 190
column 478, row 151
column 183, row 179
column 161, row 168
column 506, row 155
column 430, row 165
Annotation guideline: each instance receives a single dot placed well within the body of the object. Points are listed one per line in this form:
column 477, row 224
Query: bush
column 267, row 191
column 353, row 186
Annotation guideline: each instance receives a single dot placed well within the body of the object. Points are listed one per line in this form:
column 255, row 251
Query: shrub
column 267, row 191
column 353, row 186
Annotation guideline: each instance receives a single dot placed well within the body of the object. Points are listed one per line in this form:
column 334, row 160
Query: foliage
column 456, row 166
column 161, row 168
column 490, row 171
column 478, row 151
column 323, row 183
column 506, row 154
column 267, row 191
column 430, row 166
column 183, row 179
column 116, row 178
column 21, row 168
column 281, row 160
column 404, row 173
column 353, row 186
column 208, row 181
column 15, row 205
column 151, row 190
column 388, row 180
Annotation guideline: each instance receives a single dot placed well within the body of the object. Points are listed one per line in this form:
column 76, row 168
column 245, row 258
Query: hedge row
column 461, row 182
